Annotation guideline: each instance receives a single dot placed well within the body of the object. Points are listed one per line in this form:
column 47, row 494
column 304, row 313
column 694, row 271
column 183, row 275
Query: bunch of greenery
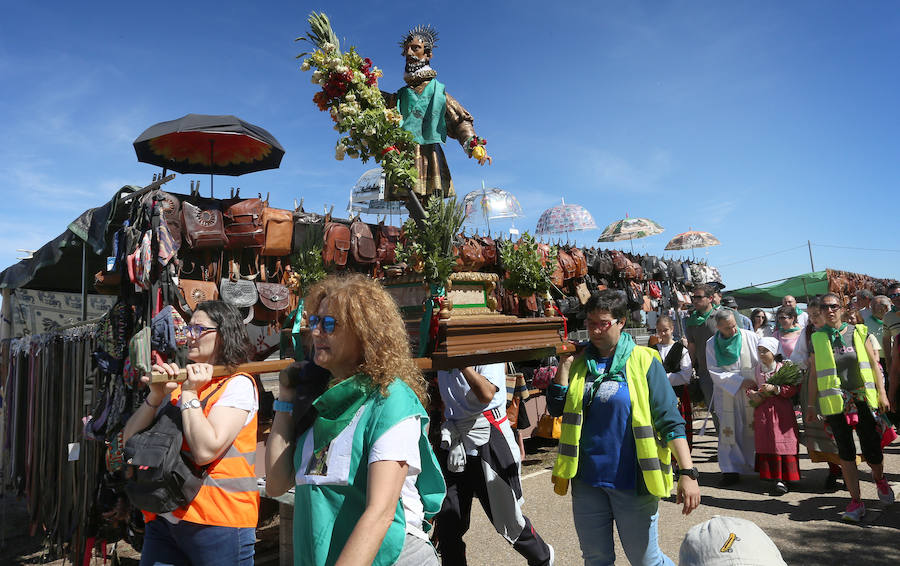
column 307, row 264
column 350, row 95
column 430, row 243
column 523, row 262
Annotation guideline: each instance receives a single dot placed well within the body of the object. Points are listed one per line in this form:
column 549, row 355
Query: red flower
column 473, row 143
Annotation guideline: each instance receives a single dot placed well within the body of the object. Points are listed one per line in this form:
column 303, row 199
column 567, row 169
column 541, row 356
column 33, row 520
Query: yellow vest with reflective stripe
column 654, row 456
column 831, row 402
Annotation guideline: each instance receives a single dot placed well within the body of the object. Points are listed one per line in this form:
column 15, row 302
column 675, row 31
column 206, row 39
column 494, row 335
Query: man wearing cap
column 732, row 357
column 743, row 321
column 891, row 322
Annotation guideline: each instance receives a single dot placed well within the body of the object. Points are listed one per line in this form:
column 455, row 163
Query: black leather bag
column 163, row 478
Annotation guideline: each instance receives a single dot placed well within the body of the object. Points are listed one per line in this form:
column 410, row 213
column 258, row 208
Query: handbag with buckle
column 236, row 291
column 278, row 227
column 273, row 299
column 244, row 224
column 203, row 224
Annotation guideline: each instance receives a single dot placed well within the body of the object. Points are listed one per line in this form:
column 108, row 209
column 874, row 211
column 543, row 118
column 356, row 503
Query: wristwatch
column 192, row 404
column 692, row 473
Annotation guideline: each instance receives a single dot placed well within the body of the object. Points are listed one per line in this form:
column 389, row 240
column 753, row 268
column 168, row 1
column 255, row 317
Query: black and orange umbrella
column 200, row 143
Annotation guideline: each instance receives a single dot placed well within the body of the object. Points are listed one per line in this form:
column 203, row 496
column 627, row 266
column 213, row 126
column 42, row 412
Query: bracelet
column 151, row 405
column 282, row 406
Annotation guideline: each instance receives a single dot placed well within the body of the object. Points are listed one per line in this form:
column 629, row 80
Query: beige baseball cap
column 728, row 541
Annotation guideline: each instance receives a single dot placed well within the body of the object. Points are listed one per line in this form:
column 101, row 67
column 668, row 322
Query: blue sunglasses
column 328, row 323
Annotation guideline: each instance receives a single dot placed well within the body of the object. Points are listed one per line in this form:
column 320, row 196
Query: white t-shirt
column 401, row 444
column 460, row 401
column 239, row 393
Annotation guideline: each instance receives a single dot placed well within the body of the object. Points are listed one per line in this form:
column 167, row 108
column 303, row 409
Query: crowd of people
column 371, row 485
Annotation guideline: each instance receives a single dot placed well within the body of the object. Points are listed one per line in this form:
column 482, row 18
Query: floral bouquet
column 350, row 94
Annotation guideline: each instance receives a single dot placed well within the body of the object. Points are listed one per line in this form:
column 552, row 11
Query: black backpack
column 163, row 478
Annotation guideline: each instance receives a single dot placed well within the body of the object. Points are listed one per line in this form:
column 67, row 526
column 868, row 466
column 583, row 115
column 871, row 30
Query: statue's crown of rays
column 427, row 33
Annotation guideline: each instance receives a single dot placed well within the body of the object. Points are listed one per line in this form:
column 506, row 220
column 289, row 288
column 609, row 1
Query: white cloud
column 613, row 171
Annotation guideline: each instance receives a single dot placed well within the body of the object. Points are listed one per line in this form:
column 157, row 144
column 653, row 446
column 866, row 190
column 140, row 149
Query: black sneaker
column 729, row 478
column 780, row 488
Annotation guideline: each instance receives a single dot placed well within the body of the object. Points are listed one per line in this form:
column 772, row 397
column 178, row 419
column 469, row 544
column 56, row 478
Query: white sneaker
column 552, row 555
column 885, row 491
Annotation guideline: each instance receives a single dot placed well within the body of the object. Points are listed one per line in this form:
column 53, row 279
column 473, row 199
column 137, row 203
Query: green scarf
column 337, row 407
column 616, row 369
column 789, row 330
column 877, row 320
column 697, row 319
column 728, row 350
column 797, row 310
column 835, row 335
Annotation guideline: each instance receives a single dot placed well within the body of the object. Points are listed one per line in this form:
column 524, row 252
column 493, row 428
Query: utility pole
column 812, row 267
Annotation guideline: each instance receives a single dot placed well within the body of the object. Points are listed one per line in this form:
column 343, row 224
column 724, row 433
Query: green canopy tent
column 766, row 295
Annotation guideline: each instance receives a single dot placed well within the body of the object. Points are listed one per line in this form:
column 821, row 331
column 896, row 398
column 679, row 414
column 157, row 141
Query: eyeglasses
column 894, row 295
column 328, row 323
column 196, row 330
column 601, row 326
column 831, row 306
column 785, row 317
column 697, row 297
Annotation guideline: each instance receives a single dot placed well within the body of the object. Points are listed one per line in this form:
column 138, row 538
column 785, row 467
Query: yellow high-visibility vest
column 654, row 456
column 831, row 402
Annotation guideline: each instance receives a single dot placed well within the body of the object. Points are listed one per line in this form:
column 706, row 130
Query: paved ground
column 804, row 523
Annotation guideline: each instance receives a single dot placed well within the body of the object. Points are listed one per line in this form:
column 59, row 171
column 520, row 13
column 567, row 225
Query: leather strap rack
column 219, row 371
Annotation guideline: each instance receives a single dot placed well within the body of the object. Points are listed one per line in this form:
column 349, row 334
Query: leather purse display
column 195, row 292
column 273, row 299
column 238, row 292
column 244, row 224
column 388, row 237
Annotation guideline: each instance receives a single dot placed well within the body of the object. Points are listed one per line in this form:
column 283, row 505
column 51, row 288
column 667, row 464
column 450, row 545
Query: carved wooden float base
column 474, row 340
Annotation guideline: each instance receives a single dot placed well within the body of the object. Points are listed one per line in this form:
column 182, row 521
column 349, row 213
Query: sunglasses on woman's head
column 196, row 330
column 328, row 323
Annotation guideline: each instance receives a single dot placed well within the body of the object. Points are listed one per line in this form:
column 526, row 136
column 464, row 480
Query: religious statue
column 431, row 114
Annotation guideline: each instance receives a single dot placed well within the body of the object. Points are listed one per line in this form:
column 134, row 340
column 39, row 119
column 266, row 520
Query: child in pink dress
column 774, row 422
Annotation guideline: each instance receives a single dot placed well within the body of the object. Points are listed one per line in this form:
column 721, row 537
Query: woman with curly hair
column 365, row 478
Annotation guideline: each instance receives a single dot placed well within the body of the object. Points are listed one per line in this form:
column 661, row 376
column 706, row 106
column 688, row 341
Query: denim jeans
column 190, row 544
column 636, row 517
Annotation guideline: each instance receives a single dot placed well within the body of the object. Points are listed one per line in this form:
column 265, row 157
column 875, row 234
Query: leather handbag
column 580, row 262
column 278, row 227
column 620, row 262
column 549, row 427
column 337, row 244
column 238, row 292
column 362, row 243
column 244, row 224
column 567, row 264
column 386, row 251
column 273, row 299
column 488, row 250
column 469, row 256
column 203, row 224
column 196, row 292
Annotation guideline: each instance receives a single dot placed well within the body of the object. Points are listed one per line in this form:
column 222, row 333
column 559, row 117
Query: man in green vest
column 431, row 115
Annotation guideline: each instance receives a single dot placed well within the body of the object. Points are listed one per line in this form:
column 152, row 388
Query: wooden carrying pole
column 219, row 371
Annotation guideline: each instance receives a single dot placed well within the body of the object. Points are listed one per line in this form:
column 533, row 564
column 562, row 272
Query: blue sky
column 765, row 123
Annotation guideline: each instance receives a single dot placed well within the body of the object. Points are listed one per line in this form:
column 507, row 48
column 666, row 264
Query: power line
column 854, row 248
column 763, row 256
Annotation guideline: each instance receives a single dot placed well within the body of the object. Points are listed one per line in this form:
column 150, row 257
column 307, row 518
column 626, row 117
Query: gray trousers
column 417, row 552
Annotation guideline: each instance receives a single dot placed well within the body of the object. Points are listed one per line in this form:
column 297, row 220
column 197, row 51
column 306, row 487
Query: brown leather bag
column 244, row 224
column 580, row 262
column 620, row 262
column 203, row 224
column 195, row 292
column 171, row 212
column 488, row 250
column 469, row 256
column 362, row 244
column 567, row 264
column 274, row 299
column 278, row 227
column 388, row 236
column 337, row 244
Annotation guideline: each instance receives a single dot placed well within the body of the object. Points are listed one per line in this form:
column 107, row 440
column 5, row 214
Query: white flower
column 350, row 97
column 370, row 131
column 339, row 151
column 341, row 69
column 322, row 82
column 328, row 47
column 305, row 65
